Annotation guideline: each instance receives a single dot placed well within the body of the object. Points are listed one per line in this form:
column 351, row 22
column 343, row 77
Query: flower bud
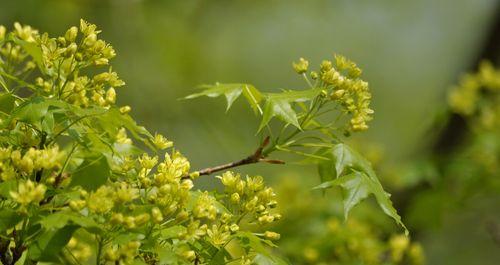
column 314, row 75
column 2, row 32
column 125, row 109
column 272, row 204
column 235, row 198
column 277, row 217
column 234, row 228
column 129, row 222
column 324, row 93
column 79, row 56
column 111, row 255
column 71, row 34
column 194, row 175
column 183, row 215
column 271, row 235
column 301, row 66
column 51, row 180
column 189, row 255
column 187, row 184
column 111, row 95
column 337, row 94
column 142, row 219
column 326, row 66
column 61, row 40
column 99, row 45
column 157, row 215
column 90, row 40
column 101, row 61
column 71, row 49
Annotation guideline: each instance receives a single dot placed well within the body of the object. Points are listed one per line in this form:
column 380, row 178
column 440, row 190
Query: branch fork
column 256, row 157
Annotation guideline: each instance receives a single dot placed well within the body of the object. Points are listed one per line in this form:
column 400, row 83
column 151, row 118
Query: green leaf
column 172, row 232
column 6, row 102
column 295, row 95
column 253, row 96
column 92, row 173
column 48, row 123
column 347, row 158
column 8, row 219
column 113, row 120
column 280, row 108
column 326, row 168
column 355, row 186
column 33, row 49
column 359, row 182
column 279, row 105
column 50, row 243
column 31, row 111
column 249, row 241
column 6, row 187
column 61, row 219
column 231, row 92
column 269, row 260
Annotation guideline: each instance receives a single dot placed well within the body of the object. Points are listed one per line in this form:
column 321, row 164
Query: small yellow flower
column 125, row 109
column 271, row 235
column 161, row 142
column 28, row 192
column 71, row 34
column 301, row 66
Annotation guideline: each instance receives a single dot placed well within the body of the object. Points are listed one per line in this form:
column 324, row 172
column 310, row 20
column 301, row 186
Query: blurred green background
column 411, row 53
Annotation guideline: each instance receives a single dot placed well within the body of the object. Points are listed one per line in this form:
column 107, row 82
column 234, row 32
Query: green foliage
column 336, row 90
column 358, row 179
column 76, row 189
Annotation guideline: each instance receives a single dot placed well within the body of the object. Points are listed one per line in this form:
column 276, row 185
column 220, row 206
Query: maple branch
column 256, row 157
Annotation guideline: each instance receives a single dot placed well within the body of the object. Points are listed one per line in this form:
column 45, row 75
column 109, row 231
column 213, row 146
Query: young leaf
column 296, row 95
column 279, row 105
column 250, row 241
column 6, row 102
column 50, row 243
column 6, row 187
column 361, row 182
column 31, row 111
column 269, row 260
column 61, row 219
column 253, row 96
column 33, row 49
column 346, row 158
column 8, row 219
column 280, row 108
column 92, row 173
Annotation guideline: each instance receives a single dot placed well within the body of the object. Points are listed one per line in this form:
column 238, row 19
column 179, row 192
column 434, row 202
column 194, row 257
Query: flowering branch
column 256, row 157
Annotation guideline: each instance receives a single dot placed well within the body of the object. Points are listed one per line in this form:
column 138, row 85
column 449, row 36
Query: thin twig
column 256, row 157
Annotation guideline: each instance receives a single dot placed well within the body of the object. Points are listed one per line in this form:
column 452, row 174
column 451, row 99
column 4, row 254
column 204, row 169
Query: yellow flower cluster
column 128, row 192
column 351, row 91
column 63, row 59
column 342, row 81
column 163, row 189
column 13, row 162
column 35, row 159
column 123, row 254
column 28, row 192
column 251, row 197
column 465, row 99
